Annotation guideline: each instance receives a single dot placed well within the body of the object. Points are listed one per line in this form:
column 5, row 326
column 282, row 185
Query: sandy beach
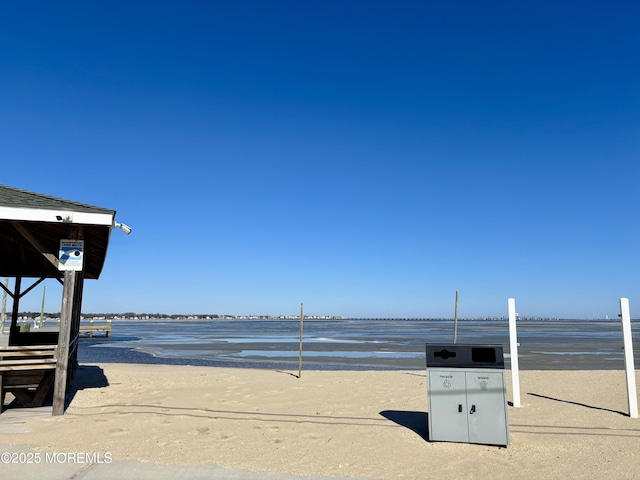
column 371, row 424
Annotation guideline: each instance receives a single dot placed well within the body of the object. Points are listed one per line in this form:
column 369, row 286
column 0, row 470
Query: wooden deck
column 91, row 328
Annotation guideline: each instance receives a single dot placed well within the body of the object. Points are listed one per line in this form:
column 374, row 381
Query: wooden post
column 75, row 326
column 3, row 313
column 455, row 321
column 15, row 309
column 66, row 312
column 632, row 395
column 300, row 355
column 513, row 351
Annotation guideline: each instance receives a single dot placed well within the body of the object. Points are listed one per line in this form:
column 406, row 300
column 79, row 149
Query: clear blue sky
column 365, row 158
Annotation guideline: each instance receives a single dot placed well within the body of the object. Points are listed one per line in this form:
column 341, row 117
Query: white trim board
column 56, row 216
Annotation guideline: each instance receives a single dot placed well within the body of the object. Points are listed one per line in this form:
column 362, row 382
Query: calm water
column 353, row 344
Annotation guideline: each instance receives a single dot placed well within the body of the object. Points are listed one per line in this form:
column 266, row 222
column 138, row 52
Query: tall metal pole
column 455, row 321
column 300, row 355
column 513, row 351
column 44, row 293
column 628, row 358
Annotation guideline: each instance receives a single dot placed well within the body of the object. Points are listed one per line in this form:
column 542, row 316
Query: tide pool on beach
column 353, row 344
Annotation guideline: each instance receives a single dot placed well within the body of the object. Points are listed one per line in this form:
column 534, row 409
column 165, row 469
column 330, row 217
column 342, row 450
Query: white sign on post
column 71, row 255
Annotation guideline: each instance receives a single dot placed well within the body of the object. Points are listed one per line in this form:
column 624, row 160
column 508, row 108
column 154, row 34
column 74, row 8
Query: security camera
column 125, row 228
column 66, row 217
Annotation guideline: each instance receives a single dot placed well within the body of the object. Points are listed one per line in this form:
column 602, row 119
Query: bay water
column 360, row 344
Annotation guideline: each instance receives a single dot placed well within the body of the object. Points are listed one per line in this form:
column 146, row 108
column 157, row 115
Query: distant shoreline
column 184, row 317
column 386, row 319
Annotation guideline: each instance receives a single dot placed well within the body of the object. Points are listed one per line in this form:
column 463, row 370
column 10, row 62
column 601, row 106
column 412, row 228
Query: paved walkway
column 26, row 464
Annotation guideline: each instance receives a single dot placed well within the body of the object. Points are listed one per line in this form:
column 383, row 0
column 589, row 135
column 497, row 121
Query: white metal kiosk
column 467, row 394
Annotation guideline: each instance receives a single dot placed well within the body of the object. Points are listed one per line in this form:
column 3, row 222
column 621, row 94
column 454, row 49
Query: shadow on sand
column 415, row 421
column 578, row 404
column 85, row 376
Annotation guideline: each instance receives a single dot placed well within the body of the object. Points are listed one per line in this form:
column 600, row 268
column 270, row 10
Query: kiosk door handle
column 473, row 409
column 459, row 408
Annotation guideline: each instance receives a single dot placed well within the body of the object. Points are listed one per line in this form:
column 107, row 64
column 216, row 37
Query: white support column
column 628, row 358
column 513, row 350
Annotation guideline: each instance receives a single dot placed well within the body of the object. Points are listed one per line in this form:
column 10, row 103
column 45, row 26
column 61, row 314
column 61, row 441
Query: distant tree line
column 133, row 315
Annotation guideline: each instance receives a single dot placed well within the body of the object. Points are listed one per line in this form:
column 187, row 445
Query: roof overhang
column 56, row 216
column 32, row 226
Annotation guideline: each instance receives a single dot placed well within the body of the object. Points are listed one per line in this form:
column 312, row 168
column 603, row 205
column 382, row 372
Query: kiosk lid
column 464, row 356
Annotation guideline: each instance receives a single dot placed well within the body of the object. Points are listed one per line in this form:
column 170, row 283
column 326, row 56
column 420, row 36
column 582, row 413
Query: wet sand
column 351, row 344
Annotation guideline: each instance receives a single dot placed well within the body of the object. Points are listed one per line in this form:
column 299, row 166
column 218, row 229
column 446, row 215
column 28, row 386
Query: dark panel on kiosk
column 464, row 356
